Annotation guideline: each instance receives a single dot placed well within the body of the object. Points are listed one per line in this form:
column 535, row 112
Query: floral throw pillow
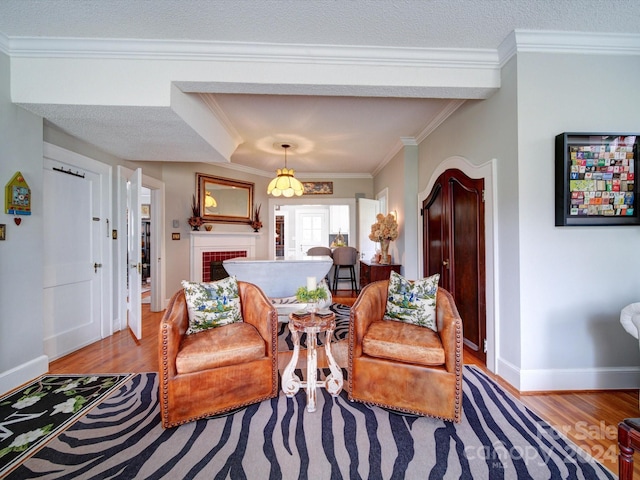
column 213, row 304
column 412, row 302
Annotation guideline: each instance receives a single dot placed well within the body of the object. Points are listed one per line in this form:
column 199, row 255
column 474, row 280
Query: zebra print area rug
column 498, row 438
column 340, row 333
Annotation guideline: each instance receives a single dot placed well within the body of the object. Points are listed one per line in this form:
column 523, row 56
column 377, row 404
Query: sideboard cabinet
column 372, row 272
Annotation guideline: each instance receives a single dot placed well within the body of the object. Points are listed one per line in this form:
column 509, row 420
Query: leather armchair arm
column 369, row 307
column 449, row 329
column 258, row 311
column 173, row 327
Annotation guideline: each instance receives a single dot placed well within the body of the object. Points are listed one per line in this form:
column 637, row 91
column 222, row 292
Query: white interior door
column 73, row 259
column 134, row 233
column 367, row 211
column 312, row 230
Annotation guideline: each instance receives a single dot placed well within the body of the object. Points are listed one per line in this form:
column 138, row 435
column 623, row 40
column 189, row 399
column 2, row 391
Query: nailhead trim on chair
column 459, row 341
column 165, row 369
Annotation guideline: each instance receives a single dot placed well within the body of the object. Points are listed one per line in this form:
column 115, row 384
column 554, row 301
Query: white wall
column 21, row 254
column 574, row 280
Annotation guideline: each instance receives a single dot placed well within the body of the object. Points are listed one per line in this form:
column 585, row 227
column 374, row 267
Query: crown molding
column 52, row 47
column 442, row 115
column 409, row 141
column 584, row 43
column 541, row 41
column 299, row 175
column 437, row 120
column 216, row 110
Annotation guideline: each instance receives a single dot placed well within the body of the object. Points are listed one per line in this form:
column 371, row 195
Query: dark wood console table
column 372, row 272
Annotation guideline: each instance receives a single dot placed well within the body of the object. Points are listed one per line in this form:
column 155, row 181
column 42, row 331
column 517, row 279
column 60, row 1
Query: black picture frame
column 595, row 182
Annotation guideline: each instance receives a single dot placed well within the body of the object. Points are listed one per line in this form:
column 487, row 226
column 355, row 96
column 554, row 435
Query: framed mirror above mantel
column 224, row 200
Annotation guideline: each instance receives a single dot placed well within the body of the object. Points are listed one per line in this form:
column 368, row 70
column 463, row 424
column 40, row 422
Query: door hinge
column 483, row 193
column 422, row 212
column 484, row 346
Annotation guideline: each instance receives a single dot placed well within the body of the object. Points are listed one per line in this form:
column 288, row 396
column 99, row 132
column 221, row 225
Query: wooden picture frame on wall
column 224, row 200
column 317, row 188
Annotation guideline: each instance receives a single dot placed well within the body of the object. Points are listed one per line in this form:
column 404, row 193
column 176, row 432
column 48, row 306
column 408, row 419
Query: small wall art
column 317, row 188
column 17, row 196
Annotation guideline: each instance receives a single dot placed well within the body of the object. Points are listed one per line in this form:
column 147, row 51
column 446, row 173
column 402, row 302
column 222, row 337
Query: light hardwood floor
column 590, row 419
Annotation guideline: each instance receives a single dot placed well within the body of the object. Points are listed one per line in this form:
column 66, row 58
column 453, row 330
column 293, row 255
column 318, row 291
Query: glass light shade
column 209, row 201
column 285, row 184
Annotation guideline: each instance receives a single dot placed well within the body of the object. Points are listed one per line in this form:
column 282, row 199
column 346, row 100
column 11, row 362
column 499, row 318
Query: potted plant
column 311, row 297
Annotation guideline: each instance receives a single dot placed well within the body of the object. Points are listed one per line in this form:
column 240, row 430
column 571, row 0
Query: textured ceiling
column 402, row 23
column 333, row 133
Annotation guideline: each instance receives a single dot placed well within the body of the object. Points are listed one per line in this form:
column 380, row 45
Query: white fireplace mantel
column 201, row 242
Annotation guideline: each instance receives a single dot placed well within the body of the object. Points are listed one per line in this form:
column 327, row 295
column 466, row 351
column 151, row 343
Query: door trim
column 487, row 171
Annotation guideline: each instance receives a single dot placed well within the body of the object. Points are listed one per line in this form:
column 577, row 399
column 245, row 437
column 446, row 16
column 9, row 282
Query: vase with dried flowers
column 195, row 220
column 384, row 231
column 256, row 224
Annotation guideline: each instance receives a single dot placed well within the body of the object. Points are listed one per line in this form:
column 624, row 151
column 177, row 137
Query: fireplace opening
column 217, row 270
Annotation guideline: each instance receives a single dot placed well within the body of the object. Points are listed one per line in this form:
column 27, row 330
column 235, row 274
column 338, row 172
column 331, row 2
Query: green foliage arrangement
column 305, row 295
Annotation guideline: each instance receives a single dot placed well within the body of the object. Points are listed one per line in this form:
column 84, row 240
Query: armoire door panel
column 434, row 233
column 467, row 284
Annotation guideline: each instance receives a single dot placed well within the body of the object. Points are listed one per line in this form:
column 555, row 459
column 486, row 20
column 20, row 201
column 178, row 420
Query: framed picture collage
column 595, row 179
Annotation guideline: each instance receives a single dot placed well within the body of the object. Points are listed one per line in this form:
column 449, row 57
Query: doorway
column 453, row 226
column 148, row 271
column 298, row 225
column 156, row 239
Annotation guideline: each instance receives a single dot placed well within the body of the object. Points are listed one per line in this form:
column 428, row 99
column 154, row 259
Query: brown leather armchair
column 220, row 369
column 405, row 367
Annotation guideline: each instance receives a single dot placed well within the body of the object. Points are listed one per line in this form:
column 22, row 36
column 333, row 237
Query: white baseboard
column 23, row 373
column 597, row 378
column 509, row 372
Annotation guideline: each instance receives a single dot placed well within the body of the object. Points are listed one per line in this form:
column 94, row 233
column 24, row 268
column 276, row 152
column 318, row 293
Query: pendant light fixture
column 209, row 201
column 285, row 183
